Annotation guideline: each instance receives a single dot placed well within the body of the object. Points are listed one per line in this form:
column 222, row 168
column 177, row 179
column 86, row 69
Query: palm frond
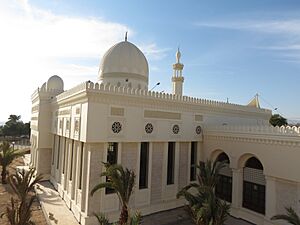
column 22, row 182
column 290, row 216
column 122, row 182
column 101, row 218
column 136, row 219
column 205, row 207
column 100, row 186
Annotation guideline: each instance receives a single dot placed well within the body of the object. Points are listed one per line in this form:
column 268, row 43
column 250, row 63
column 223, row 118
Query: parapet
column 106, row 88
column 283, row 130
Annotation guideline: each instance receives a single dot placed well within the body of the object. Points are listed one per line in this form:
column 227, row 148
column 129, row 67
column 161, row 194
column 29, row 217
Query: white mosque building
column 161, row 136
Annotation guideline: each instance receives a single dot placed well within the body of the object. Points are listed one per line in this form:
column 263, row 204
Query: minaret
column 177, row 78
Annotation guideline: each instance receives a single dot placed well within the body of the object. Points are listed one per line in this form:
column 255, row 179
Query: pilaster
column 237, row 190
column 94, row 169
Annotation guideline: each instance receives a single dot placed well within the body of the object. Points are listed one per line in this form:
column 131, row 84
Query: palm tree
column 204, row 207
column 7, row 155
column 134, row 220
column 22, row 183
column 290, row 216
column 122, row 182
column 14, row 118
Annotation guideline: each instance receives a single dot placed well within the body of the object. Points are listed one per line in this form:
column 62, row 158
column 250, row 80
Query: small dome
column 124, row 63
column 55, row 83
column 43, row 87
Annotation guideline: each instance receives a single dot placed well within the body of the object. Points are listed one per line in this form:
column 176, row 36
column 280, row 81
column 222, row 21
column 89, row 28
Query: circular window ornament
column 175, row 129
column 198, row 130
column 149, row 128
column 116, row 127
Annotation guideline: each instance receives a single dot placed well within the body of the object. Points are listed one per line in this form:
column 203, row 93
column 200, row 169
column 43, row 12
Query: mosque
column 161, row 136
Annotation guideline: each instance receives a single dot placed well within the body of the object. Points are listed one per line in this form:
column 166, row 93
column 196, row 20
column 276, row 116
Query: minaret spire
column 178, row 55
column 177, row 78
column 126, row 35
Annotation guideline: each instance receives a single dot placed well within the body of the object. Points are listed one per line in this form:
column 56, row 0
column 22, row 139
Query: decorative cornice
column 250, row 129
column 288, row 136
column 100, row 92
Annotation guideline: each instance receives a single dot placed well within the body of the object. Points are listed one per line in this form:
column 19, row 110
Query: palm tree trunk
column 124, row 215
column 3, row 175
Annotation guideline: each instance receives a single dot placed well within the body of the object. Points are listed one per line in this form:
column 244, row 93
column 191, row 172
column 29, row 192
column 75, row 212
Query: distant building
column 161, row 136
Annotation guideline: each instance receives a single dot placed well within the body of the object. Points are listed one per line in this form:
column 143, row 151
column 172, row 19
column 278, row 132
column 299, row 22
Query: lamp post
column 13, row 144
column 158, row 83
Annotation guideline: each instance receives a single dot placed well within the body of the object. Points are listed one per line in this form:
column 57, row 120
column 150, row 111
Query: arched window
column 254, row 186
column 224, row 186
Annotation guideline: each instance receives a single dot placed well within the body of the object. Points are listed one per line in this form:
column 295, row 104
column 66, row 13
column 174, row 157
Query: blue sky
column 230, row 49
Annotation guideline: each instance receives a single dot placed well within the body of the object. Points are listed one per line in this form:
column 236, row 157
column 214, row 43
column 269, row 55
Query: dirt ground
column 6, row 193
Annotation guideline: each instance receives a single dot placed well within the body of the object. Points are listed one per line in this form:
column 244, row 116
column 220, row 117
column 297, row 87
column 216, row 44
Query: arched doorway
column 254, row 186
column 224, row 186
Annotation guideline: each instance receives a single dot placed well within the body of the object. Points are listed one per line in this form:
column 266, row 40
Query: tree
column 1, row 131
column 122, row 182
column 290, row 216
column 14, row 118
column 7, row 155
column 26, row 129
column 278, row 120
column 205, row 208
column 22, row 183
column 15, row 127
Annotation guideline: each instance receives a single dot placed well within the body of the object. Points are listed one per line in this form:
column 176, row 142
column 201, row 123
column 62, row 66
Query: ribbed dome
column 124, row 63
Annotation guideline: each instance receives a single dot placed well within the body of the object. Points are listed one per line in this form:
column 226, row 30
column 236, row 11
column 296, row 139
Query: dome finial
column 178, row 55
column 126, row 35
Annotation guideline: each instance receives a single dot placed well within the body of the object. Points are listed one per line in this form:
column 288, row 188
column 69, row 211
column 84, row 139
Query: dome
column 124, row 65
column 55, row 83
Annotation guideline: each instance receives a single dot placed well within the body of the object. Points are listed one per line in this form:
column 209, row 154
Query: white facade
column 73, row 130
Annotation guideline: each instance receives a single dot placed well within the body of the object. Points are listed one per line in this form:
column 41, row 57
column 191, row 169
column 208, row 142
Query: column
column 84, row 178
column 297, row 208
column 94, row 168
column 237, row 191
column 270, row 197
column 74, row 169
column 66, row 158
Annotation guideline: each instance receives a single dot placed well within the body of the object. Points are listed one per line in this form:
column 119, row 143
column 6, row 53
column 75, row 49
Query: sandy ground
column 6, row 193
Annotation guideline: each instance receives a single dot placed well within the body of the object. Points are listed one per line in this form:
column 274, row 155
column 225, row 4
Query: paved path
column 54, row 208
column 180, row 217
column 57, row 213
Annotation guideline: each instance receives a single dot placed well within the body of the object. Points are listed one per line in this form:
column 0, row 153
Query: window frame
column 193, row 161
column 111, row 147
column 171, row 163
column 144, row 166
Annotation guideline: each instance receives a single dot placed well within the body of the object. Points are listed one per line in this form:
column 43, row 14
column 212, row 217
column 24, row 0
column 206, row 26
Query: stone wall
column 183, row 164
column 129, row 155
column 157, row 167
column 286, row 193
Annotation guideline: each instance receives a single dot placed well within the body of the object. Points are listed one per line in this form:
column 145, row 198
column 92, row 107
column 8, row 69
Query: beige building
column 161, row 136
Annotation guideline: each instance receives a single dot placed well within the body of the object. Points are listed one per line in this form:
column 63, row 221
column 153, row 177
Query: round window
column 116, row 127
column 175, row 129
column 149, row 128
column 198, row 130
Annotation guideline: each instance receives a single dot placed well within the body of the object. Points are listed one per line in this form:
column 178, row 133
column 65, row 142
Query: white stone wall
column 286, row 196
column 277, row 149
column 184, row 166
column 84, row 114
column 157, row 167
